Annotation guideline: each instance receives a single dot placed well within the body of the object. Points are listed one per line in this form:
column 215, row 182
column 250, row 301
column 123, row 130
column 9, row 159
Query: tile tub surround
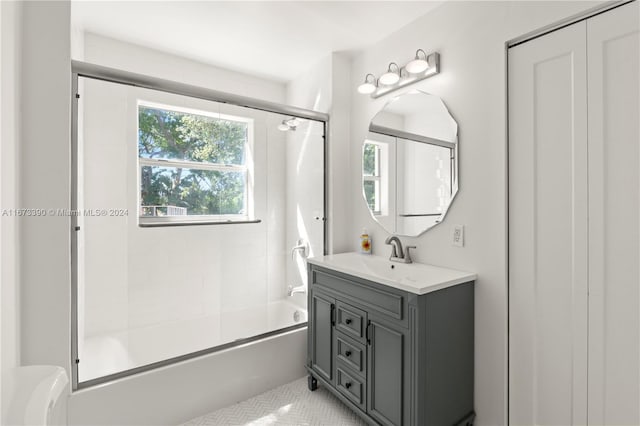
column 290, row 404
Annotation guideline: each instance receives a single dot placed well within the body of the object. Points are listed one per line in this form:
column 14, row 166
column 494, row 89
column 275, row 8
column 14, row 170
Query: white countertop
column 417, row 278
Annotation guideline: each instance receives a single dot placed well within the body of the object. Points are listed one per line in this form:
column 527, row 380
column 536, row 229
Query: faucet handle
column 301, row 246
column 407, row 254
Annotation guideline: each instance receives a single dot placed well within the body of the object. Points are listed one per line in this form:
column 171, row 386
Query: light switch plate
column 457, row 235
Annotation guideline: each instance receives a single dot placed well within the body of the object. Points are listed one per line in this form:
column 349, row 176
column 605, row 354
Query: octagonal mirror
column 410, row 163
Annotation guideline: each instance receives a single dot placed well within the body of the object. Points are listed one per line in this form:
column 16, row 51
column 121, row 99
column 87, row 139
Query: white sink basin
column 414, row 277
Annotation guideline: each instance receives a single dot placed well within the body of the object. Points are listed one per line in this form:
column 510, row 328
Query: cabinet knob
column 348, row 321
column 347, row 385
column 347, row 353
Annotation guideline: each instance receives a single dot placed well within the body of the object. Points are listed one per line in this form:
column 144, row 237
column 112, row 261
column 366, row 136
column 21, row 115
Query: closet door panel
column 613, row 41
column 548, row 229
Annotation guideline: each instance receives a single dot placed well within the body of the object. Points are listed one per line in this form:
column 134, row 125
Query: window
column 371, row 176
column 194, row 166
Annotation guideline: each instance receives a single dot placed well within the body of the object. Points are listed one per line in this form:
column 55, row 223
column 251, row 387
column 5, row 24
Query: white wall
column 44, row 183
column 130, row 57
column 470, row 37
column 325, row 87
column 1, row 204
column 10, row 13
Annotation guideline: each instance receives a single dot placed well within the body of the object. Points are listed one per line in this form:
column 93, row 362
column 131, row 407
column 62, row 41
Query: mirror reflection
column 409, row 163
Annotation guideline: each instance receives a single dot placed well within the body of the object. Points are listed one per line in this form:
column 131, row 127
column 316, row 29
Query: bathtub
column 183, row 390
column 108, row 354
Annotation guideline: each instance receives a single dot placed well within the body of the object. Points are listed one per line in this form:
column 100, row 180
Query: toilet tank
column 35, row 395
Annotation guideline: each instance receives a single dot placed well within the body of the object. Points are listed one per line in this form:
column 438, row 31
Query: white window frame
column 247, row 169
column 384, row 187
column 376, row 177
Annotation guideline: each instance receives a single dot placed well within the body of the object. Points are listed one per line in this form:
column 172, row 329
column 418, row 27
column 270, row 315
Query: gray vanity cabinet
column 394, row 357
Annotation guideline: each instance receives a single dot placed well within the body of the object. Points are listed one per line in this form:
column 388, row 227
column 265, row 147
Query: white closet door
column 548, row 229
column 614, row 216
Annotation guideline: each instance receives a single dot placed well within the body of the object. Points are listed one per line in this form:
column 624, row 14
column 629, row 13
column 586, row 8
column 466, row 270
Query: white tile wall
column 137, row 277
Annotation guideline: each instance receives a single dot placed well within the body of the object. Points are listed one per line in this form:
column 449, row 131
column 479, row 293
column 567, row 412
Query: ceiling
column 278, row 40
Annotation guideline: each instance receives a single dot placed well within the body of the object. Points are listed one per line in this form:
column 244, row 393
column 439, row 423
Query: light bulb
column 366, row 88
column 389, row 78
column 283, row 127
column 417, row 66
column 369, row 85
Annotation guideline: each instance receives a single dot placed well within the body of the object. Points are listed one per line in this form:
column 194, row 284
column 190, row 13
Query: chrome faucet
column 302, row 247
column 396, row 247
column 397, row 254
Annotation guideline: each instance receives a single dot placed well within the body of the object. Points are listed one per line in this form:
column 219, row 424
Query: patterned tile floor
column 290, row 404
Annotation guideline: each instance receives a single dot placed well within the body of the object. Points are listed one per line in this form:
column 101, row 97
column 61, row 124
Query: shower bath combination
column 215, row 194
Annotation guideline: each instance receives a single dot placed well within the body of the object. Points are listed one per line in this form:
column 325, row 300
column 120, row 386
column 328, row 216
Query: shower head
column 289, row 124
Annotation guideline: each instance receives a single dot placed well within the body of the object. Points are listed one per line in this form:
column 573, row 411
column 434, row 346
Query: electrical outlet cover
column 457, row 235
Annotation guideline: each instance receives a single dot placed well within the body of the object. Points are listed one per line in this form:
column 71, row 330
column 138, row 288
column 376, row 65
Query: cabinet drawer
column 351, row 386
column 351, row 353
column 350, row 320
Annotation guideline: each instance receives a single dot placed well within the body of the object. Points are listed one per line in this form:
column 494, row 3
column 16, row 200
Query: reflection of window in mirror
column 371, row 173
column 375, row 168
column 410, row 190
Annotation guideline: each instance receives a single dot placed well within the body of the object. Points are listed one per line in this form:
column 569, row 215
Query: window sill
column 149, row 222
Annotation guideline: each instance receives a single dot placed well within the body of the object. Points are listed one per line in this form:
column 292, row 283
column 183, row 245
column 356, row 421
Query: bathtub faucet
column 302, row 247
column 291, row 290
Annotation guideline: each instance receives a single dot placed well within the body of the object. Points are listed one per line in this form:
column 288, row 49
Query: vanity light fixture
column 391, row 76
column 369, row 86
column 288, row 124
column 423, row 65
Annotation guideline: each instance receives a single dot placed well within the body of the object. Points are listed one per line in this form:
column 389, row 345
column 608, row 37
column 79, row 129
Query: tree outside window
column 193, row 164
column 371, row 176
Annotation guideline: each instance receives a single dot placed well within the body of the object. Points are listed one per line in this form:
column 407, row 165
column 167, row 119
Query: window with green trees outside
column 193, row 165
column 371, row 176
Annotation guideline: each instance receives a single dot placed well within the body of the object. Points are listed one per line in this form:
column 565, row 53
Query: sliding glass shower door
column 194, row 221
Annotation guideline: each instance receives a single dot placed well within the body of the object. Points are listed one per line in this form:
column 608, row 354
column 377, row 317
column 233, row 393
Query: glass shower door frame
column 86, row 70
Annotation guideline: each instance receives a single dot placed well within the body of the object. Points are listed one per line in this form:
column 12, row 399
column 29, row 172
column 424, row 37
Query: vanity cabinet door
column 385, row 362
column 321, row 336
